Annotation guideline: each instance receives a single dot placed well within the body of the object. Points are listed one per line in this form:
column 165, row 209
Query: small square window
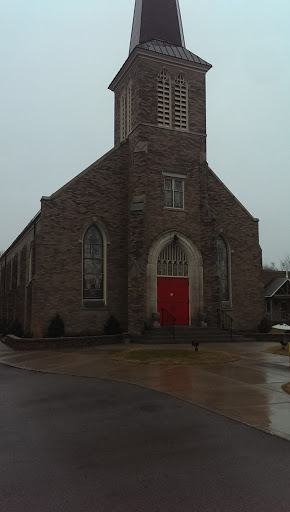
column 174, row 193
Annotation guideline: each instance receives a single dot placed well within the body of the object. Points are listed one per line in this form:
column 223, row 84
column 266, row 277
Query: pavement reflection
column 248, row 390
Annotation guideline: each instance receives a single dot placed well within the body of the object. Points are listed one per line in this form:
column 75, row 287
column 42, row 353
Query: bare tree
column 270, row 266
column 285, row 263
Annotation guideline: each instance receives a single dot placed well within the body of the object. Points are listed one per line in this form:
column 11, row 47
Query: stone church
column 149, row 227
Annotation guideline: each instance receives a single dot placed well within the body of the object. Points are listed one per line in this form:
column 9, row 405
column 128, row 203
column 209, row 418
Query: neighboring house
column 149, row 226
column 277, row 296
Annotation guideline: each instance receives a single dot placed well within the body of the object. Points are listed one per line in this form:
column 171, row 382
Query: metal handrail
column 225, row 322
column 168, row 320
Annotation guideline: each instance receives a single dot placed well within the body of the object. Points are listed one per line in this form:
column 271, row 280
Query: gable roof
column 275, row 285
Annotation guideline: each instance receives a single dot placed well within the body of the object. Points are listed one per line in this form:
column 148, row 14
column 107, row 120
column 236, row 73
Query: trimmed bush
column 112, row 326
column 264, row 326
column 56, row 327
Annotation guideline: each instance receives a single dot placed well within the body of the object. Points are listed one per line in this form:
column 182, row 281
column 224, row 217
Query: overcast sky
column 56, row 114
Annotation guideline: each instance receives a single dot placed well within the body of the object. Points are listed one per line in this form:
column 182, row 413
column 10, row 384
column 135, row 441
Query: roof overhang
column 157, row 57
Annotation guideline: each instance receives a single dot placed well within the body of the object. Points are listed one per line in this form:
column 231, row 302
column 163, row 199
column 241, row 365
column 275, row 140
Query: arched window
column 123, row 116
column 93, row 264
column 129, row 108
column 126, row 112
column 164, row 100
column 31, row 262
column 172, row 262
column 222, row 261
column 181, row 103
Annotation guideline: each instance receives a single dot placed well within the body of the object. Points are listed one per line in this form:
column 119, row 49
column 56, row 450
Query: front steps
column 183, row 334
column 188, row 334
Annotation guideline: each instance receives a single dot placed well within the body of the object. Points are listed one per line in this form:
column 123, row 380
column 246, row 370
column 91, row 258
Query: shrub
column 56, row 327
column 264, row 326
column 112, row 326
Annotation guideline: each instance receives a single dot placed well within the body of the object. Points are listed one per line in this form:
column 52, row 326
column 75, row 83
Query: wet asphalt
column 90, row 445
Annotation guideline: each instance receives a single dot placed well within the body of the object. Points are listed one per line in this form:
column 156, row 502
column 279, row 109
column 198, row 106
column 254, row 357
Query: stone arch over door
column 195, row 273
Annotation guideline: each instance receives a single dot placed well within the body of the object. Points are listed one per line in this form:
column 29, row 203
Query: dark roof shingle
column 172, row 50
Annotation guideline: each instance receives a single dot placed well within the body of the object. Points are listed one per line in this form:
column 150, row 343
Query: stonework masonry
column 123, row 195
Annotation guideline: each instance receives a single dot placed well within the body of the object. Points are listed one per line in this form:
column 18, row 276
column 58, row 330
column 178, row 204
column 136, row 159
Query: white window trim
column 174, row 175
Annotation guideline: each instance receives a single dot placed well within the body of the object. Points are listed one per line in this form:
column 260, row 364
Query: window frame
column 164, row 97
column 180, row 97
column 226, row 304
column 93, row 300
column 174, row 178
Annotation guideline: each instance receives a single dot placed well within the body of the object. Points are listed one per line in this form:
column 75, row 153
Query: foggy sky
column 56, row 114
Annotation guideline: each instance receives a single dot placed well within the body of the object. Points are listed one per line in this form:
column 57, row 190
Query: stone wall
column 98, row 195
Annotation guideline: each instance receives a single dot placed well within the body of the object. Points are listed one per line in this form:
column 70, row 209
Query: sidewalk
column 248, row 390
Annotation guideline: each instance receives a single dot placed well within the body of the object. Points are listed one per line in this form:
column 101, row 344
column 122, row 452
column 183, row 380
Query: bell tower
column 160, row 115
column 161, row 83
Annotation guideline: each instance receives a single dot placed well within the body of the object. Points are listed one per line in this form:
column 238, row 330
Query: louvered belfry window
column 126, row 112
column 129, row 108
column 172, row 262
column 164, row 99
column 181, row 103
column 123, row 116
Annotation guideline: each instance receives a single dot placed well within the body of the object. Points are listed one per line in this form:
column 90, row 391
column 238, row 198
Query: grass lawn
column 286, row 388
column 278, row 350
column 174, row 356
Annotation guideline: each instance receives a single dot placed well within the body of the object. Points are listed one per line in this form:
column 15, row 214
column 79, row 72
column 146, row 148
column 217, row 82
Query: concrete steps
column 184, row 334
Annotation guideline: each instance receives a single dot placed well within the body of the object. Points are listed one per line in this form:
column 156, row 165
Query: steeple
column 157, row 20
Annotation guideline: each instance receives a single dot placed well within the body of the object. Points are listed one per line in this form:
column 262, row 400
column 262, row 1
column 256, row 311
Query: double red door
column 173, row 295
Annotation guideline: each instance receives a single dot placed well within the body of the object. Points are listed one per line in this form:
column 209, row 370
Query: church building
column 148, row 228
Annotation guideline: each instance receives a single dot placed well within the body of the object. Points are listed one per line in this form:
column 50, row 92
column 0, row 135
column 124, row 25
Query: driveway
column 71, row 444
column 248, row 390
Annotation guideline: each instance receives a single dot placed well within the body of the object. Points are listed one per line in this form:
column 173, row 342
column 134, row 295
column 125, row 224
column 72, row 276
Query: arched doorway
column 173, row 283
column 175, row 267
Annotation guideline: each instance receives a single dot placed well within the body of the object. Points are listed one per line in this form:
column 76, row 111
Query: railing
column 285, row 316
column 225, row 322
column 168, row 320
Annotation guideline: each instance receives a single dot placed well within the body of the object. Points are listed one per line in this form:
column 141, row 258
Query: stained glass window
column 222, row 260
column 93, row 264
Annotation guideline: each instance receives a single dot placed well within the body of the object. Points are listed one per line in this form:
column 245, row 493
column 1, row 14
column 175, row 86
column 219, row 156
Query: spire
column 157, row 19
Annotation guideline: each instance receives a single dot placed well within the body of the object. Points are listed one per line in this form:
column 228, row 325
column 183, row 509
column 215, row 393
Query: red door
column 173, row 295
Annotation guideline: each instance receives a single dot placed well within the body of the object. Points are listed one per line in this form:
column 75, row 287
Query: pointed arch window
column 164, row 111
column 126, row 112
column 223, row 269
column 123, row 116
column 181, row 103
column 172, row 262
column 93, row 264
column 129, row 108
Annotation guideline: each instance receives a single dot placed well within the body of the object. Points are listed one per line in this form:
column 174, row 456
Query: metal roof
column 157, row 19
column 172, row 50
column 275, row 285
